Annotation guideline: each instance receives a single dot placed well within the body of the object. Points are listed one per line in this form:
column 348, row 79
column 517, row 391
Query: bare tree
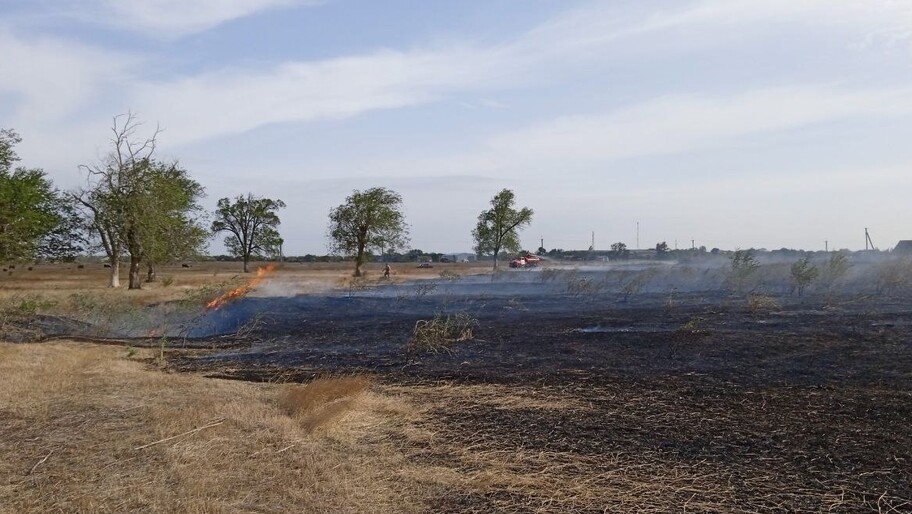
column 133, row 202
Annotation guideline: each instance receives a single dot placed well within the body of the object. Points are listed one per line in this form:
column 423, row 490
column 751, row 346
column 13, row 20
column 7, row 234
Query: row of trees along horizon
column 145, row 212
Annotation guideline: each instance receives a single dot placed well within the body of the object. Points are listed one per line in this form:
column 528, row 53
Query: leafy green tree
column 32, row 212
column 661, row 249
column 369, row 220
column 134, row 202
column 8, row 140
column 70, row 236
column 178, row 232
column 498, row 227
column 252, row 226
column 803, row 273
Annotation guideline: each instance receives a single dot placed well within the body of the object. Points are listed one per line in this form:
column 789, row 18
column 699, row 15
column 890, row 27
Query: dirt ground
column 593, row 400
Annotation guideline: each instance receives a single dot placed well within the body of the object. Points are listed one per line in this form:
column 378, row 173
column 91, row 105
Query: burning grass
column 242, row 290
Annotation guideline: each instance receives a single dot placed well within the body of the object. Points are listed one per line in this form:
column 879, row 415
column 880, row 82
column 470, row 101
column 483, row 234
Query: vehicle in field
column 525, row 261
column 425, row 265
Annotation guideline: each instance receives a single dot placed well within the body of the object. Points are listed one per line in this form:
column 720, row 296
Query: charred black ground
column 805, row 405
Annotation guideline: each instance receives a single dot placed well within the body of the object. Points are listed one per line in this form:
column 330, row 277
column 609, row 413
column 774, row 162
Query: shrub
column 835, row 269
column 440, row 333
column 424, row 289
column 892, row 275
column 583, row 286
column 761, row 303
column 693, row 327
column 743, row 266
column 637, row 283
column 450, row 275
column 803, row 273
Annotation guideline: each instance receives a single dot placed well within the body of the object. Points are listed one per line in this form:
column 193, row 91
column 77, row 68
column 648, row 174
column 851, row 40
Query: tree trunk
column 358, row 263
column 246, row 260
column 359, row 260
column 115, row 273
column 135, row 280
column 495, row 259
column 150, row 276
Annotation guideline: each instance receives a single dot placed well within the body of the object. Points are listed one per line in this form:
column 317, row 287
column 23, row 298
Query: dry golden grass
column 759, row 303
column 56, row 282
column 323, row 401
column 85, row 429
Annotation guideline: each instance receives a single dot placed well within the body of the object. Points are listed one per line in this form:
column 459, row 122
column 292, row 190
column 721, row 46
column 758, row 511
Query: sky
column 726, row 123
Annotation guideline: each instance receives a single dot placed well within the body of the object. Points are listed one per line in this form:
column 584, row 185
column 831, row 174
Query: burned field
column 574, row 397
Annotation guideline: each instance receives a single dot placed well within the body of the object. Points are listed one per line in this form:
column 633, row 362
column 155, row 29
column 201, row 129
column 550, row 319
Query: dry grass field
column 557, row 402
column 87, row 428
column 106, row 428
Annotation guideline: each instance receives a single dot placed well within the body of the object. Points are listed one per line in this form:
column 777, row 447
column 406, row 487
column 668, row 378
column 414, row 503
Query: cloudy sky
column 734, row 123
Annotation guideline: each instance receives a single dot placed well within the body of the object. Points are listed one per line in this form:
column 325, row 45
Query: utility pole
column 638, row 235
column 826, row 246
column 868, row 240
column 692, row 245
column 593, row 241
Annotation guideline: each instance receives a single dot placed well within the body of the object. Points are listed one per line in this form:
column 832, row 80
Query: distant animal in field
column 185, row 265
column 107, row 265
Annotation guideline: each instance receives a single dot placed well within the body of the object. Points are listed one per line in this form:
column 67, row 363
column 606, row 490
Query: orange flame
column 244, row 289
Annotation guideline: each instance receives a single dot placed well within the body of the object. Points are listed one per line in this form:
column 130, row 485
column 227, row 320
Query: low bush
column 693, row 327
column 450, row 275
column 440, row 333
column 757, row 303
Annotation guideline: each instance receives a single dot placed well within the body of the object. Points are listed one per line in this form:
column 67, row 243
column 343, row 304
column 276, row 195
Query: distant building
column 904, row 247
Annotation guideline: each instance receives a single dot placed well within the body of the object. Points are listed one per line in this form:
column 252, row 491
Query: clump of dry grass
column 695, row 326
column 759, row 303
column 324, row 400
column 438, row 334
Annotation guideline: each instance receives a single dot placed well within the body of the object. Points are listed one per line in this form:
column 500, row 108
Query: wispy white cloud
column 682, row 123
column 53, row 78
column 597, row 24
column 236, row 100
column 60, row 76
column 162, row 18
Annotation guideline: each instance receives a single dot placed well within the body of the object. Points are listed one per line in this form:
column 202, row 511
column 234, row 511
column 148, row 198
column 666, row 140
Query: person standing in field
column 386, row 271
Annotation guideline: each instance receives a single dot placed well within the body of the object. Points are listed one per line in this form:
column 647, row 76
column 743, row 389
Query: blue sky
column 734, row 123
